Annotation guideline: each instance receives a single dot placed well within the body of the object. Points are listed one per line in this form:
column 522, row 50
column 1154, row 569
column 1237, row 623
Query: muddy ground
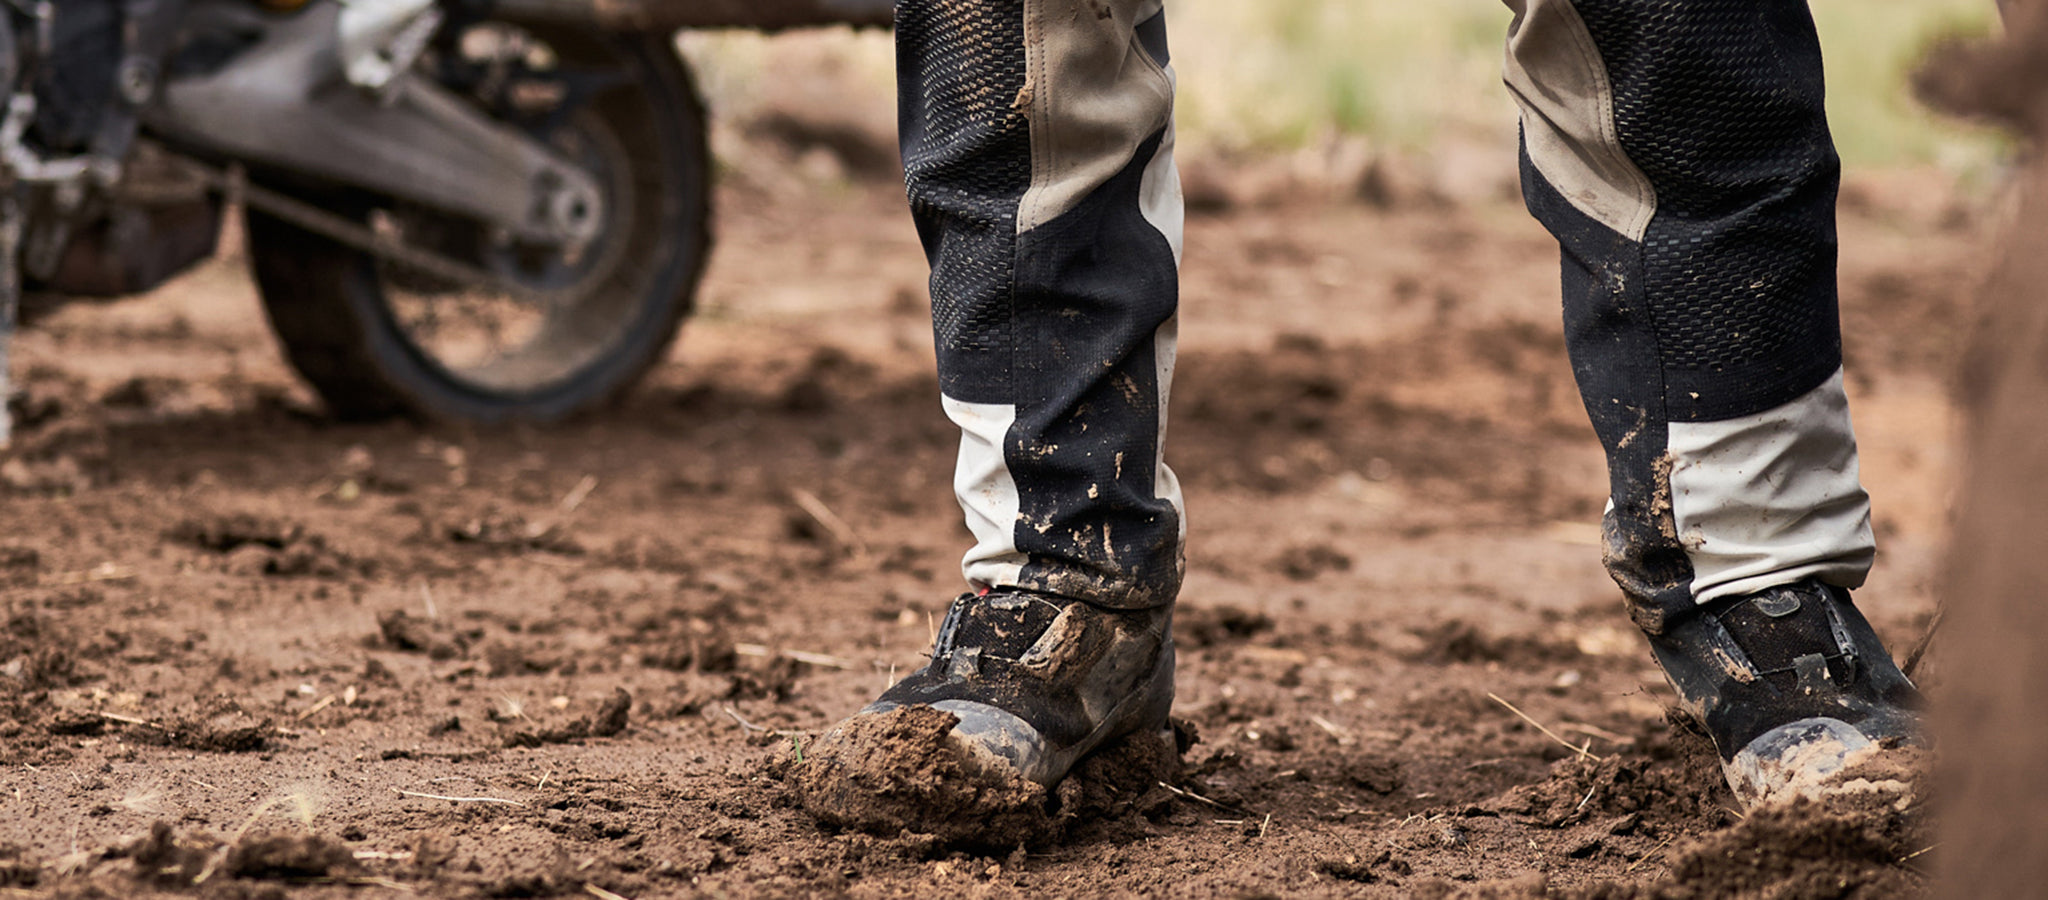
column 252, row 648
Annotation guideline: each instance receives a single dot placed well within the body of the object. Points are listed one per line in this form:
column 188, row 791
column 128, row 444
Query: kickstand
column 10, row 303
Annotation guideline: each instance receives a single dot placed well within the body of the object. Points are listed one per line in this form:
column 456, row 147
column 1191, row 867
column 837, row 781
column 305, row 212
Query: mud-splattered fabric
column 1038, row 149
column 1679, row 151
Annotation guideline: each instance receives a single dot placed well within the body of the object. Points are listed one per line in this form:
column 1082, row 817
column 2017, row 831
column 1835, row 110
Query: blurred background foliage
column 1275, row 76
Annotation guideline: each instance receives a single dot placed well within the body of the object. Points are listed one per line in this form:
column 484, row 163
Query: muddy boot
column 1793, row 686
column 1021, row 686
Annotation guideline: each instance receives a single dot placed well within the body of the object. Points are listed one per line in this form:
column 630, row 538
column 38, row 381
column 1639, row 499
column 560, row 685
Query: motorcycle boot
column 1793, row 686
column 1038, row 682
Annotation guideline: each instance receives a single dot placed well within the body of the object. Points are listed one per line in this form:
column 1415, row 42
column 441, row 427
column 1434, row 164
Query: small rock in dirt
column 281, row 856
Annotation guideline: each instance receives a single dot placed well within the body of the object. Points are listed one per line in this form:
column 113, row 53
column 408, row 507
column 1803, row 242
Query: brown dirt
column 231, row 616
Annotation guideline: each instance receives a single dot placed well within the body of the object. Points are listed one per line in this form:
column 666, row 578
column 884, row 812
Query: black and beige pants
column 1677, row 149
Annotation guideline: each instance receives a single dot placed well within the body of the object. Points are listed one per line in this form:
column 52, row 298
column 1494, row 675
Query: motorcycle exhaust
column 672, row 15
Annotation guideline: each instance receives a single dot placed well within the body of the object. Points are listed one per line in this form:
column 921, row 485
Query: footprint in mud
column 897, row 774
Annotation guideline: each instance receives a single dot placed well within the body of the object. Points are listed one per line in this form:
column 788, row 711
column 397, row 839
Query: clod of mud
column 1208, row 626
column 702, row 646
column 258, row 546
column 897, row 774
column 285, row 856
column 610, row 719
column 166, row 857
column 227, row 731
column 412, row 634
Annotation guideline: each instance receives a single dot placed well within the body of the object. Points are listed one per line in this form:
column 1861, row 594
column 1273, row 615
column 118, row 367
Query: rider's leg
column 1680, row 152
column 1038, row 148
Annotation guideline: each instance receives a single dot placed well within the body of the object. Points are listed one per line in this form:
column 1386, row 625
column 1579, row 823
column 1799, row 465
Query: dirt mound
column 1869, row 840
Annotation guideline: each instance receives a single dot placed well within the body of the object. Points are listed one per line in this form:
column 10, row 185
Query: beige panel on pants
column 1094, row 96
column 1557, row 76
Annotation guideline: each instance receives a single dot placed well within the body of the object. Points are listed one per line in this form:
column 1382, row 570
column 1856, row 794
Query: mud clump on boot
column 898, row 772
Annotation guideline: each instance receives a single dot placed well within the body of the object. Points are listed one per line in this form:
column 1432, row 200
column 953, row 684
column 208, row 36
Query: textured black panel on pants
column 1612, row 337
column 1720, row 104
column 1093, row 287
column 967, row 163
column 1060, row 321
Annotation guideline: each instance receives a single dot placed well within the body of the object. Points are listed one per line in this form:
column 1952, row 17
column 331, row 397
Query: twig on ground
column 1601, row 733
column 128, row 720
column 372, row 881
column 103, row 572
column 600, row 893
column 1918, row 853
column 1336, row 731
column 456, row 799
column 743, row 722
column 1650, row 855
column 1265, row 825
column 576, row 495
column 324, row 703
column 803, row 656
column 841, row 533
column 427, row 596
column 1582, row 751
column 1587, row 799
column 1198, row 798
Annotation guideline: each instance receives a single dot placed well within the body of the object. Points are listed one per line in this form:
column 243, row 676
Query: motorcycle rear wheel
column 369, row 336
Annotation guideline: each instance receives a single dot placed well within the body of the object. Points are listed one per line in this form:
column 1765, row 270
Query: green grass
column 1274, row 75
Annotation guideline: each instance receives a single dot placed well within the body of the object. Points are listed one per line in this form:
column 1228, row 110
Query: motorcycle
column 472, row 210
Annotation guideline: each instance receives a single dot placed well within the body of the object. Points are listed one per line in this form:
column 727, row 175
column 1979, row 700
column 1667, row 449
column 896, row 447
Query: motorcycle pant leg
column 1679, row 151
column 1038, row 153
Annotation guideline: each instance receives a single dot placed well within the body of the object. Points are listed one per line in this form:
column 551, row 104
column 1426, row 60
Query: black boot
column 1793, row 686
column 1038, row 682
